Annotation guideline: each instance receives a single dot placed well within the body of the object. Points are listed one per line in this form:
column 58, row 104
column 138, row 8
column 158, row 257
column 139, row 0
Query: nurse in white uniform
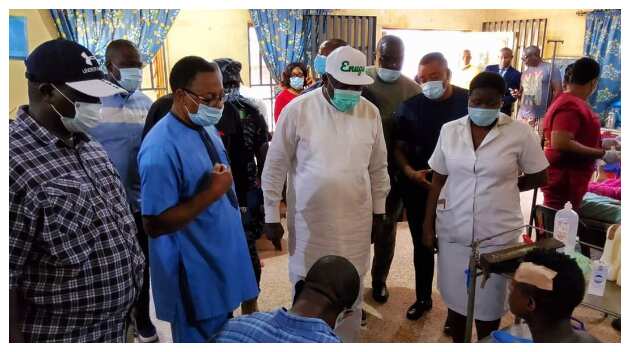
column 475, row 194
column 330, row 143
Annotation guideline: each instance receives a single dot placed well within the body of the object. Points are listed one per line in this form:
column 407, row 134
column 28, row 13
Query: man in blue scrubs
column 200, row 265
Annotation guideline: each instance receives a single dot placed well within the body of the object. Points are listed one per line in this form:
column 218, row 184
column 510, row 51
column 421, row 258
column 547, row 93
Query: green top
column 387, row 97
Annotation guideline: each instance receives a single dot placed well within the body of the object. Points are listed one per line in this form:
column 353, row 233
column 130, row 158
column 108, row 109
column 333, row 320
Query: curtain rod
column 582, row 12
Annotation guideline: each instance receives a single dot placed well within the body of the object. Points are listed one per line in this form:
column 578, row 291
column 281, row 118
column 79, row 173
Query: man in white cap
column 330, row 143
column 75, row 266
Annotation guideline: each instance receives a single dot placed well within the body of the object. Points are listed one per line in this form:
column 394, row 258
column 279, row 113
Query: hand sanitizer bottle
column 565, row 227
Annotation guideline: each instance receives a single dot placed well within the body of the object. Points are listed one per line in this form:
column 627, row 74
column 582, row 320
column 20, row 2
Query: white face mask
column 388, row 75
column 86, row 115
column 345, row 314
column 130, row 78
column 433, row 89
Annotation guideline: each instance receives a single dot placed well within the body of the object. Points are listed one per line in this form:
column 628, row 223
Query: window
column 154, row 81
column 262, row 84
column 526, row 33
column 18, row 39
column 483, row 46
column 358, row 31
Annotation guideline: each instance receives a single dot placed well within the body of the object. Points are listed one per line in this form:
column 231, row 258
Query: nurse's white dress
column 481, row 199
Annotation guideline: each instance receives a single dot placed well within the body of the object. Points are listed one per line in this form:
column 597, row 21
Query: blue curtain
column 282, row 35
column 94, row 29
column 602, row 42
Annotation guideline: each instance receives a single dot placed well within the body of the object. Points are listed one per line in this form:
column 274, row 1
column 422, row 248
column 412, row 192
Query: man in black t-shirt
column 157, row 111
column 418, row 121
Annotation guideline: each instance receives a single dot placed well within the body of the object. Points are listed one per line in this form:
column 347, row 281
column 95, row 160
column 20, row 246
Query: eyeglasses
column 210, row 100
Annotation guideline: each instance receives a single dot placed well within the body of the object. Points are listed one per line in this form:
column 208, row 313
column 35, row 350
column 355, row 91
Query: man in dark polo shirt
column 417, row 127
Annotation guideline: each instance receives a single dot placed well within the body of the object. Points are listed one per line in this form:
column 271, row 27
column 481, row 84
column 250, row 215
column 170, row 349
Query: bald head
column 120, row 47
column 330, row 45
column 466, row 57
column 390, row 52
column 531, row 56
column 534, row 50
column 121, row 53
column 335, row 277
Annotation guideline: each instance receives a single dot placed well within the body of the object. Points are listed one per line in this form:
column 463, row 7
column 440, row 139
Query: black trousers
column 253, row 254
column 253, row 220
column 141, row 307
column 507, row 109
column 457, row 322
column 415, row 199
column 385, row 240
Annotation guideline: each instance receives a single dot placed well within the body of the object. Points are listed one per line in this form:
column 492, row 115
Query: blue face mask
column 345, row 100
column 319, row 64
column 297, row 83
column 388, row 75
column 433, row 89
column 205, row 115
column 130, row 78
column 482, row 117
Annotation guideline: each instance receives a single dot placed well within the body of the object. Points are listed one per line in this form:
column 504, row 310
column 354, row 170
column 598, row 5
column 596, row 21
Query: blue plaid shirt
column 274, row 327
column 73, row 253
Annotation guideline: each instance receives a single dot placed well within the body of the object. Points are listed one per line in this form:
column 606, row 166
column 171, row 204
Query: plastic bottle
column 565, row 227
column 597, row 282
column 610, row 120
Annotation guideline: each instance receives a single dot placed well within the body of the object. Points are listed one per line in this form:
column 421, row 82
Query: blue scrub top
column 207, row 263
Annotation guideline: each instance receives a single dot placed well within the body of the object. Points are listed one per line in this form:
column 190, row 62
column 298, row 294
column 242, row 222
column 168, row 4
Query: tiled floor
column 387, row 323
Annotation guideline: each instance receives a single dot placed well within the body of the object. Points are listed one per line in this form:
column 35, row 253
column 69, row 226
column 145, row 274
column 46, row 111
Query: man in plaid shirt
column 75, row 266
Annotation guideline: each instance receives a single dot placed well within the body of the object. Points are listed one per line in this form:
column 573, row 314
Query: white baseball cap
column 348, row 66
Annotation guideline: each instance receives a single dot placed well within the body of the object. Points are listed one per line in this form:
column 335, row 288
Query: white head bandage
column 535, row 275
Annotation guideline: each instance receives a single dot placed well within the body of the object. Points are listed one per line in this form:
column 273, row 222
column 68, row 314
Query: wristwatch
column 381, row 217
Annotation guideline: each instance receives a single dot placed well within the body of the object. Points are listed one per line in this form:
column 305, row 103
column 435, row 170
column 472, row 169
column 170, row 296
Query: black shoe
column 363, row 318
column 148, row 334
column 448, row 330
column 277, row 244
column 380, row 293
column 616, row 324
column 417, row 309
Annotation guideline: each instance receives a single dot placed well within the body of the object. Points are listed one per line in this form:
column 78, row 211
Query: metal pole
column 472, row 287
column 553, row 64
column 472, row 277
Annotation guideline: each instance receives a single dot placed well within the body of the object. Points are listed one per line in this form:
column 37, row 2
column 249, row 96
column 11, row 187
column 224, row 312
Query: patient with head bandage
column 546, row 288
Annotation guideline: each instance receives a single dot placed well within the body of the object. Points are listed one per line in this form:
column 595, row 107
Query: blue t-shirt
column 419, row 119
column 206, row 264
column 276, row 327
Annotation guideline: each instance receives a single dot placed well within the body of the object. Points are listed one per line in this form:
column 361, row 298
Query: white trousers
column 349, row 328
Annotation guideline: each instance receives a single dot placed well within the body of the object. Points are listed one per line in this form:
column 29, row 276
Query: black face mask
column 232, row 93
